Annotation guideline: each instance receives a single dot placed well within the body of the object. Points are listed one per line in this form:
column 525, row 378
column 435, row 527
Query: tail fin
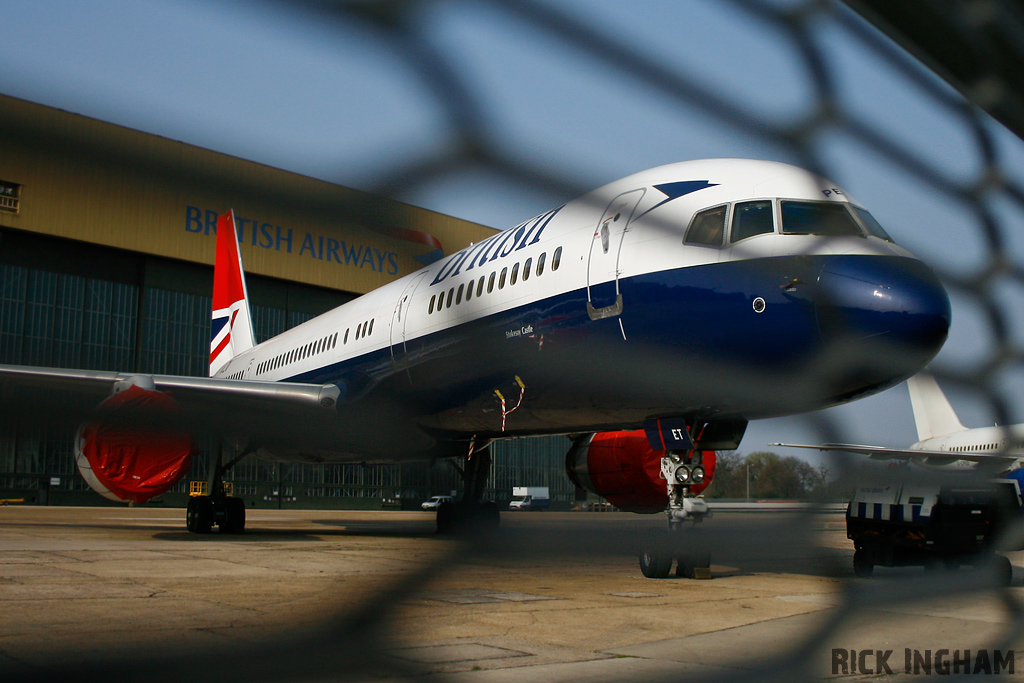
column 932, row 411
column 232, row 320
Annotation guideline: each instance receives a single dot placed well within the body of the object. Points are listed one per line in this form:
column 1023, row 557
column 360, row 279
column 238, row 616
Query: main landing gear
column 471, row 513
column 217, row 508
column 681, row 470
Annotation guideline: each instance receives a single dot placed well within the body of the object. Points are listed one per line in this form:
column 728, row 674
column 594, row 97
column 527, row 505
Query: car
column 435, row 502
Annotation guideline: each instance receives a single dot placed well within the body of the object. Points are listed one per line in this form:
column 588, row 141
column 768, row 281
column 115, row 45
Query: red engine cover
column 624, row 469
column 137, row 453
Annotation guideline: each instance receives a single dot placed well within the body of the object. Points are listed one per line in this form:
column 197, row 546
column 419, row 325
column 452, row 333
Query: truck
column 530, row 498
column 895, row 524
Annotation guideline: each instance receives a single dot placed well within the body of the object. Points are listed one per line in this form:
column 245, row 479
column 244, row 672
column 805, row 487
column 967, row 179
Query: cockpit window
column 751, row 218
column 818, row 218
column 872, row 225
column 707, row 228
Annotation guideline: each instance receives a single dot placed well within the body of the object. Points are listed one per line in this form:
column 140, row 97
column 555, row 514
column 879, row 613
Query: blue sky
column 340, row 100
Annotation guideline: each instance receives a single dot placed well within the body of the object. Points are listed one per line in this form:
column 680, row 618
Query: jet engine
column 624, row 469
column 135, row 447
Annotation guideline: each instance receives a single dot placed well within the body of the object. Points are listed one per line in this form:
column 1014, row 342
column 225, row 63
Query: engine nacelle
column 624, row 469
column 135, row 448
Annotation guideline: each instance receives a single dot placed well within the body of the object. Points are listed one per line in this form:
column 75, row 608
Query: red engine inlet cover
column 137, row 453
column 624, row 469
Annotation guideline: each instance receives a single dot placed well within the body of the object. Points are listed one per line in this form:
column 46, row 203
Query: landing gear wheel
column 689, row 564
column 234, row 516
column 466, row 516
column 489, row 515
column 863, row 563
column 199, row 516
column 655, row 563
column 446, row 518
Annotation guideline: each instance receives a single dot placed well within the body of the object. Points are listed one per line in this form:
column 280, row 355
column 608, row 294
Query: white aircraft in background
column 684, row 300
column 943, row 442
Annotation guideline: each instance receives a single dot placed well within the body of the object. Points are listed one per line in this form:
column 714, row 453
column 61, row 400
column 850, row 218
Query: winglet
column 932, row 411
column 232, row 321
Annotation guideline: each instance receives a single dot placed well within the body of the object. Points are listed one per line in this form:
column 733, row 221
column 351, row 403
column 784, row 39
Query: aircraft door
column 604, row 300
column 400, row 319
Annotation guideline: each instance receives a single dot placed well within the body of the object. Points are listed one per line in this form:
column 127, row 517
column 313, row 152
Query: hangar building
column 106, row 253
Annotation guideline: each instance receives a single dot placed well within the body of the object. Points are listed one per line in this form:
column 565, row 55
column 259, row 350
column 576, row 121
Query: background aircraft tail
column 232, row 320
column 932, row 411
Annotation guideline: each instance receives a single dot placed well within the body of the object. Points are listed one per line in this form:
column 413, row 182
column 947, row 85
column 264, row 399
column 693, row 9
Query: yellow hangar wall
column 75, row 177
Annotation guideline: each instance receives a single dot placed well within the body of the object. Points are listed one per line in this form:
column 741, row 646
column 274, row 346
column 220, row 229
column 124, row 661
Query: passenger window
column 469, row 290
column 430, row 309
column 371, row 327
column 751, row 218
column 501, row 278
column 526, row 269
column 458, row 295
column 818, row 218
column 540, row 264
column 872, row 225
column 451, row 295
column 480, row 287
column 345, row 341
column 490, row 283
column 707, row 228
column 556, row 259
column 514, row 276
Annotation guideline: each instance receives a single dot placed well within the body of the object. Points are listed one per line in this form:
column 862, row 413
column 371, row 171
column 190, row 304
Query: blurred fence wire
column 990, row 194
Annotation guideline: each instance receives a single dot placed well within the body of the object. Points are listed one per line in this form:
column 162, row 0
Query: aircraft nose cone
column 887, row 305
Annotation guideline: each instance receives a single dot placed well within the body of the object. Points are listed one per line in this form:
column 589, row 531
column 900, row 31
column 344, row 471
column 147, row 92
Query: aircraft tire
column 446, row 518
column 863, row 563
column 655, row 563
column 199, row 515
column 234, row 516
column 490, row 515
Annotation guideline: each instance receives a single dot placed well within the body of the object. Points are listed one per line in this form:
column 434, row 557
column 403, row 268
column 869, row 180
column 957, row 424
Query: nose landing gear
column 681, row 470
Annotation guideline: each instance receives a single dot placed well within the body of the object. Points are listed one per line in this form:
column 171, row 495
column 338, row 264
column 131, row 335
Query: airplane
column 944, row 444
column 675, row 304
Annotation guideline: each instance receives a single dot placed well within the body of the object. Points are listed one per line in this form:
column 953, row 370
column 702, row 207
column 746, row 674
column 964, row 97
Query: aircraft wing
column 929, row 458
column 63, row 397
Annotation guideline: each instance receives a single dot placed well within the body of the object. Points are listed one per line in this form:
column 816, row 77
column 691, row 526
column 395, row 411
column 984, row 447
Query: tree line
column 764, row 475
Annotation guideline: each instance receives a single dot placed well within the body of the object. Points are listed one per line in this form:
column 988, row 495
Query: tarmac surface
column 128, row 594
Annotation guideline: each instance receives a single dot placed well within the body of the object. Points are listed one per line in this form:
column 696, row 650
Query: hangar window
column 818, row 218
column 752, row 218
column 10, row 196
column 707, row 228
column 526, row 269
column 556, row 259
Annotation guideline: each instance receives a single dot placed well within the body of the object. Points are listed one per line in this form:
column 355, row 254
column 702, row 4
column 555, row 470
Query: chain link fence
column 811, row 83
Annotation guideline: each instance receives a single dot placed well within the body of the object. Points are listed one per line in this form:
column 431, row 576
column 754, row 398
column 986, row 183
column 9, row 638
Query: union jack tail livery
column 232, row 322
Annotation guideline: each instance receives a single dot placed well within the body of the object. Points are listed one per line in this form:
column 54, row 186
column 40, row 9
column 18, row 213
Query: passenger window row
column 364, row 329
column 477, row 288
